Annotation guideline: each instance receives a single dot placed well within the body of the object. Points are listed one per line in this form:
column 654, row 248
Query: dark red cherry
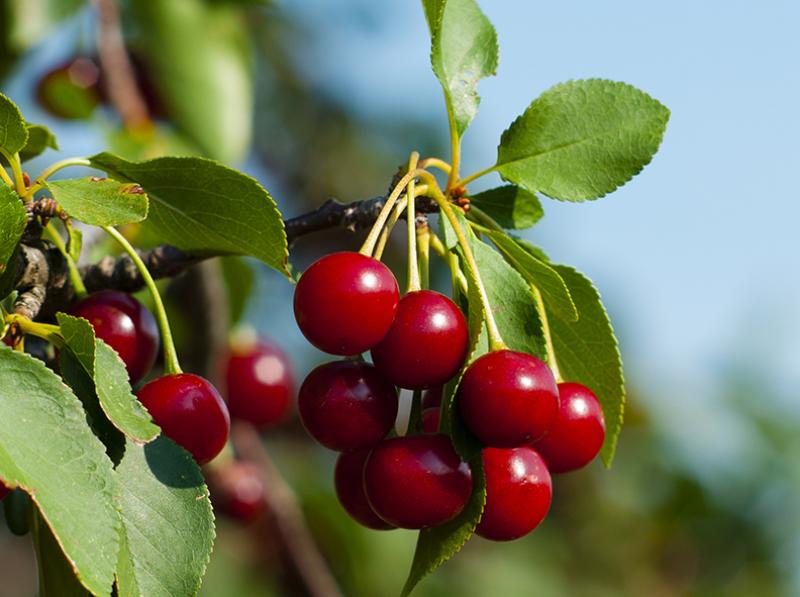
column 417, row 481
column 190, row 411
column 259, row 380
column 125, row 325
column 348, row 478
column 345, row 303
column 238, row 491
column 518, row 493
column 432, row 397
column 426, row 344
column 347, row 405
column 430, row 419
column 577, row 433
column 4, row 490
column 508, row 399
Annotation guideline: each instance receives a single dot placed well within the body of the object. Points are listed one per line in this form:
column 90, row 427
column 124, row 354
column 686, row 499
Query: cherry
column 348, row 478
column 430, row 419
column 125, row 325
column 4, row 490
column 426, row 344
column 190, row 411
column 260, row 383
column 345, row 303
column 432, row 397
column 577, row 433
column 508, row 399
column 238, row 491
column 347, row 405
column 417, row 481
column 72, row 89
column 518, row 493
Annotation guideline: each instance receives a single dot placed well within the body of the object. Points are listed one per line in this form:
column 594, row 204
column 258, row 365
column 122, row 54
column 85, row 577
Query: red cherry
column 345, row 303
column 125, row 325
column 347, row 405
column 238, row 491
column 4, row 490
column 260, row 383
column 430, row 419
column 518, row 493
column 348, row 478
column 432, row 397
column 577, row 433
column 508, row 399
column 426, row 344
column 190, row 411
column 417, row 481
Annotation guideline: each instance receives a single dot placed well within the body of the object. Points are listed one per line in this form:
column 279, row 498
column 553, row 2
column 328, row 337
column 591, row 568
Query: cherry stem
column 424, row 253
column 16, row 169
column 411, row 228
column 548, row 338
column 38, row 182
column 495, row 338
column 372, row 238
column 475, row 175
column 399, row 208
column 6, row 178
column 74, row 274
column 171, row 364
column 435, row 163
column 455, row 149
column 45, row 331
column 459, row 279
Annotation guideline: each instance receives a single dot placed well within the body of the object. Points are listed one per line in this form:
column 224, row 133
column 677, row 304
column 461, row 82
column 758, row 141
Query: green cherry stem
column 53, row 236
column 411, row 228
column 455, row 149
column 495, row 338
column 475, row 175
column 399, row 208
column 45, row 331
column 372, row 238
column 548, row 337
column 435, row 163
column 424, row 254
column 459, row 279
column 38, row 182
column 16, row 169
column 171, row 364
column 6, row 178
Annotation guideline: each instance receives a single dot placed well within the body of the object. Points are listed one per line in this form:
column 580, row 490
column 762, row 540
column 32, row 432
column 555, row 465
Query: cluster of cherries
column 347, row 303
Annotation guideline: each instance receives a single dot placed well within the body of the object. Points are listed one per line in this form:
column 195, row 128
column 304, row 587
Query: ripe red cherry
column 347, row 405
column 348, row 478
column 508, row 399
column 432, row 398
column 125, row 325
column 577, row 433
column 426, row 344
column 430, row 419
column 190, row 411
column 518, row 493
column 345, row 303
column 260, row 383
column 417, row 481
column 238, row 491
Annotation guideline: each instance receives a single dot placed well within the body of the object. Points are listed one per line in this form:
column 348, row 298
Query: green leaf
column 553, row 288
column 207, row 87
column 510, row 206
column 239, row 280
column 463, row 51
column 582, row 139
column 56, row 577
column 39, row 139
column 110, row 377
column 47, row 448
column 587, row 353
column 30, row 20
column 438, row 544
column 100, row 201
column 13, row 134
column 203, row 207
column 168, row 525
column 12, row 223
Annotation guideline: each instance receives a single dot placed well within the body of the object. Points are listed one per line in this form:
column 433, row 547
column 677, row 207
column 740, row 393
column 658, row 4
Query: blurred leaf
column 587, row 353
column 74, row 242
column 30, row 20
column 12, row 223
column 56, row 577
column 510, row 206
column 438, row 544
column 13, row 134
column 168, row 525
column 155, row 142
column 40, row 138
column 239, row 282
column 204, row 207
column 47, row 448
column 582, row 139
column 463, row 51
column 110, row 377
column 200, row 58
column 554, row 291
column 100, row 202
